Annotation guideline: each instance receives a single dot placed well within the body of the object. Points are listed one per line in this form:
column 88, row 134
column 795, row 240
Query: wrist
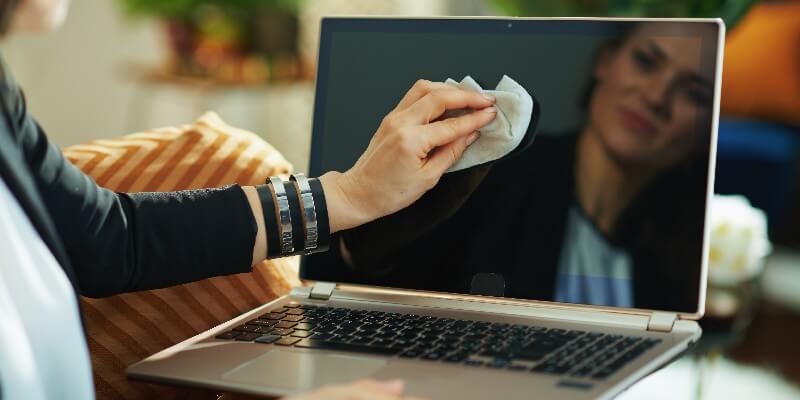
column 345, row 209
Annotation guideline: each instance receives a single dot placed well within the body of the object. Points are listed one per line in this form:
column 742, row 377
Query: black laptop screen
column 607, row 206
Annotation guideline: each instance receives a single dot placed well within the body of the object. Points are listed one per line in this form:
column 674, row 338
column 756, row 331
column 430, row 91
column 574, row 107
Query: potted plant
column 227, row 41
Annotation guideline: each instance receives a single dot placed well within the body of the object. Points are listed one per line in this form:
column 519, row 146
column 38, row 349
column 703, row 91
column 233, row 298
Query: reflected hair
column 619, row 36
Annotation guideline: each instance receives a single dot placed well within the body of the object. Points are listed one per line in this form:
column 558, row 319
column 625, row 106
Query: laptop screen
column 606, row 207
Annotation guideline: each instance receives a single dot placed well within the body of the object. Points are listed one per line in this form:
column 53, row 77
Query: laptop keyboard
column 527, row 348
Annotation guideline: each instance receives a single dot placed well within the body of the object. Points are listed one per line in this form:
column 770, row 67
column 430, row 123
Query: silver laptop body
column 657, row 336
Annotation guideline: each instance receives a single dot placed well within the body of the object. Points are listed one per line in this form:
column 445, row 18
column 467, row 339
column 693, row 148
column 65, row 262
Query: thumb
column 445, row 156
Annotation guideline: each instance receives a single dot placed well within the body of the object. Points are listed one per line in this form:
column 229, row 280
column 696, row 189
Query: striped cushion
column 125, row 328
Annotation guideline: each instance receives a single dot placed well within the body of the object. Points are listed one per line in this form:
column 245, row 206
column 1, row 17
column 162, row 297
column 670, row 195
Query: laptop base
column 274, row 369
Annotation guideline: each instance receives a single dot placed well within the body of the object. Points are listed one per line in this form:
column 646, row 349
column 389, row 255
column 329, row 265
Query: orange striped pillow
column 125, row 328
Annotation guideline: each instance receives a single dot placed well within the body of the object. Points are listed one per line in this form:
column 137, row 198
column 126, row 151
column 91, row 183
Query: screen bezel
column 330, row 25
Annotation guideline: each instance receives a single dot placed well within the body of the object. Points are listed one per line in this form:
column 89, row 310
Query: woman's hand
column 408, row 154
column 360, row 390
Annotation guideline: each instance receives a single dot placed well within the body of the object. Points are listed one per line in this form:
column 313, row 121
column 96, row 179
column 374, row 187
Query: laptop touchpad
column 296, row 370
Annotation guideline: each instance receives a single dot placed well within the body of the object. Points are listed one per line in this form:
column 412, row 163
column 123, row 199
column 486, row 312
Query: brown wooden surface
column 772, row 342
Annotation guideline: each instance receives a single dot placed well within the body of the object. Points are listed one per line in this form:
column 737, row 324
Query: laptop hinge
column 661, row 321
column 322, row 290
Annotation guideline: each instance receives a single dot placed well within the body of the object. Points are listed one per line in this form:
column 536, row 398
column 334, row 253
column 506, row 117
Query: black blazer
column 492, row 229
column 108, row 242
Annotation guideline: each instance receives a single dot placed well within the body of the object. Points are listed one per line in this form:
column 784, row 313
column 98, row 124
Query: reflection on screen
column 606, row 207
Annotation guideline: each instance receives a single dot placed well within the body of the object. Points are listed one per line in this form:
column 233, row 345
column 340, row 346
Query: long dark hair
column 7, row 8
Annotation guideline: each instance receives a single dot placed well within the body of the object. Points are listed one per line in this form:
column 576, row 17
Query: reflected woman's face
column 653, row 98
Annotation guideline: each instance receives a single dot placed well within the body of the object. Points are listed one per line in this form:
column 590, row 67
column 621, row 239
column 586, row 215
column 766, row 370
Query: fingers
column 420, row 89
column 366, row 389
column 369, row 389
column 445, row 156
column 394, row 386
column 436, row 102
column 445, row 131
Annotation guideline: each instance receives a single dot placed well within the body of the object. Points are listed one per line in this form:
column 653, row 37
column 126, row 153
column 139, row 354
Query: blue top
column 591, row 270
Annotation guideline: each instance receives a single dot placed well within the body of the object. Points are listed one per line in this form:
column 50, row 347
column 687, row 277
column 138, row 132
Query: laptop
column 570, row 270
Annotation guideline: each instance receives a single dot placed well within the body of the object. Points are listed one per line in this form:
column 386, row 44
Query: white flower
column 739, row 240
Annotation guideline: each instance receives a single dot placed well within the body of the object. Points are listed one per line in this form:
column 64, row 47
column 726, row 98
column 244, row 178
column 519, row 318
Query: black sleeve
column 120, row 242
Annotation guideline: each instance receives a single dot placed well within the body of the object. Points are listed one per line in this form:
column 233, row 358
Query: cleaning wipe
column 514, row 110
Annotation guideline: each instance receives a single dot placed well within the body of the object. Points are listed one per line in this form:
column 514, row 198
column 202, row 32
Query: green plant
column 729, row 10
column 229, row 41
column 187, row 9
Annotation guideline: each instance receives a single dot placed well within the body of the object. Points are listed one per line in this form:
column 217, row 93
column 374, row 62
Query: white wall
column 74, row 78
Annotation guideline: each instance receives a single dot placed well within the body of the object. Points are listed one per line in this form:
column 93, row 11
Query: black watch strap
column 323, row 223
column 270, row 220
column 296, row 209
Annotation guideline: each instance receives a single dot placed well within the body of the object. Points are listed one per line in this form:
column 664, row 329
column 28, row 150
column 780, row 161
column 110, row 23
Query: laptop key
column 263, row 322
column 287, row 341
column 326, row 328
column 267, row 339
column 385, row 335
column 411, row 353
column 273, row 316
column 583, row 371
column 346, row 330
column 551, row 369
column 499, row 353
column 432, row 355
column 361, row 340
column 311, row 343
column 603, row 373
column 322, row 335
column 498, row 363
column 303, row 326
column 293, row 318
column 247, row 328
column 228, row 335
column 537, row 350
column 301, row 334
column 281, row 331
column 367, row 332
column 295, row 311
column 285, row 324
column 247, row 336
column 456, row 357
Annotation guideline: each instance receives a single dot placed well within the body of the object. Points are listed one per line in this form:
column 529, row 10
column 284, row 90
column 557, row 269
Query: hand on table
column 360, row 390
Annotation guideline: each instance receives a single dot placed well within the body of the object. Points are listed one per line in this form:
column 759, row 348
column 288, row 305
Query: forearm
column 260, row 245
column 342, row 213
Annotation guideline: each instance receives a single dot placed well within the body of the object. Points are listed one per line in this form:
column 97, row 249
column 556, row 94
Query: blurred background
column 128, row 65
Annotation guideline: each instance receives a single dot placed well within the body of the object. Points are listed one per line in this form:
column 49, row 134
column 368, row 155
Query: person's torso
column 44, row 354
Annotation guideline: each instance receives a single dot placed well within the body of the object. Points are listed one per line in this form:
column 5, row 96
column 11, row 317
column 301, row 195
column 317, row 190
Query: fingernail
column 490, row 110
column 472, row 137
column 394, row 386
column 488, row 97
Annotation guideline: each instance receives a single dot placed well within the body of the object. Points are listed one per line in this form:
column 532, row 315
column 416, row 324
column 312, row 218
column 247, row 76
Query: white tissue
column 514, row 110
